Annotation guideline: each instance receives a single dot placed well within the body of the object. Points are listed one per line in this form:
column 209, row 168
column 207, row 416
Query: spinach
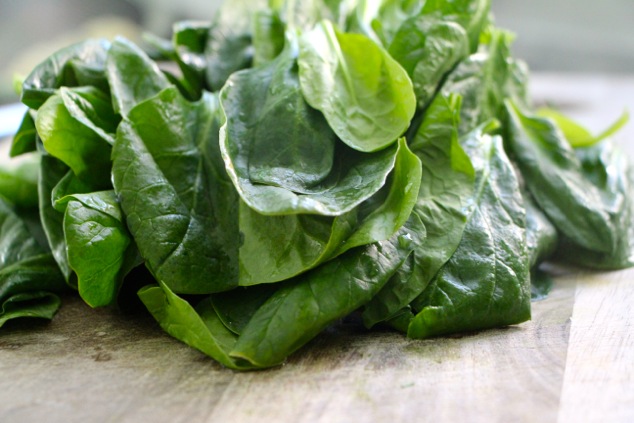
column 541, row 235
column 555, row 178
column 609, row 170
column 290, row 163
column 24, row 141
column 200, row 328
column 268, row 36
column 165, row 172
column 299, row 167
column 473, row 15
column 365, row 95
column 229, row 46
column 482, row 81
column 29, row 276
column 288, row 245
column 52, row 171
column 471, row 293
column 428, row 48
column 99, row 247
column 300, row 310
column 68, row 123
column 18, row 181
column 439, row 216
column 82, row 64
column 132, row 75
column 577, row 135
column 190, row 40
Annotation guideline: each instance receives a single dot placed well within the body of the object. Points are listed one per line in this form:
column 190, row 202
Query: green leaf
column 577, row 135
column 379, row 20
column 295, row 167
column 24, row 140
column 482, row 82
column 276, row 248
column 26, row 269
column 236, row 307
column 365, row 95
column 440, row 213
column 486, row 283
column 190, row 39
column 428, row 48
column 42, row 305
column 77, row 65
column 393, row 212
column 268, row 36
column 52, row 171
column 305, row 306
column 67, row 129
column 555, row 178
column 299, row 153
column 608, row 169
column 100, row 248
column 18, row 180
column 541, row 234
column 199, row 328
column 230, row 41
column 280, row 247
column 180, row 207
column 132, row 75
column 473, row 15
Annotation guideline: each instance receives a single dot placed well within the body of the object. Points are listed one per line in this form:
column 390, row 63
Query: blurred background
column 581, row 36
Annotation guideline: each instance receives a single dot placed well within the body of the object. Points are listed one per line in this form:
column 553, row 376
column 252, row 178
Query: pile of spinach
column 290, row 163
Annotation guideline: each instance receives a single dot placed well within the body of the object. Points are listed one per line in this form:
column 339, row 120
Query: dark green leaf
column 393, row 212
column 428, row 48
column 41, row 304
column 179, row 206
column 276, row 248
column 26, row 269
column 24, row 141
column 190, row 40
column 229, row 43
column 78, row 65
column 280, row 247
column 541, row 284
column 482, row 82
column 608, row 169
column 555, row 178
column 440, row 214
column 290, row 168
column 486, row 282
column 236, row 307
column 52, row 171
column 541, row 235
column 18, row 180
column 132, row 75
column 268, row 36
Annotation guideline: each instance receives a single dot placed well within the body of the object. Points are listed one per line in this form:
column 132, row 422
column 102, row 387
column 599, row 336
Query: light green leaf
column 365, row 95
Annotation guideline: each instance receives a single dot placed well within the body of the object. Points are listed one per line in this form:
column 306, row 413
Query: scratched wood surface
column 574, row 362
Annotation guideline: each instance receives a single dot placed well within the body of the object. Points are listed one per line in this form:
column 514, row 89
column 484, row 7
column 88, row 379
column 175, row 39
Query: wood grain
column 574, row 362
column 599, row 376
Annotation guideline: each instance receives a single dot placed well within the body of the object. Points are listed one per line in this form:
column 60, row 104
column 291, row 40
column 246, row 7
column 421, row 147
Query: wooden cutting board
column 574, row 362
